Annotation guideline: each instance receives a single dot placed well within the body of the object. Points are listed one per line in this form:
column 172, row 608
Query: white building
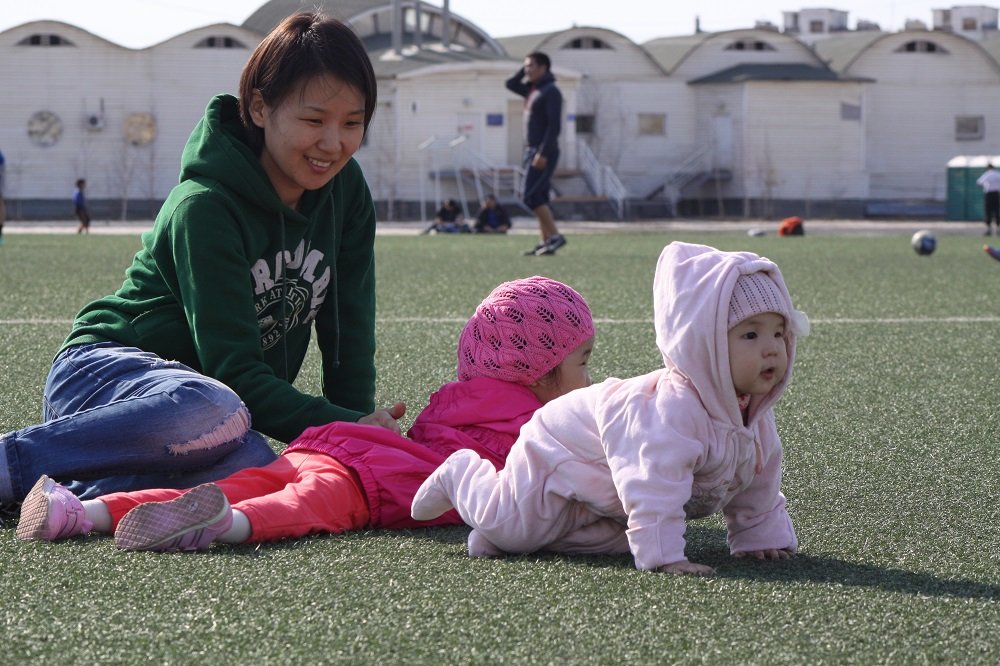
column 742, row 122
column 972, row 21
column 814, row 23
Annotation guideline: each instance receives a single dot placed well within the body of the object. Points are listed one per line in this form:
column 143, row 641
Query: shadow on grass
column 833, row 571
column 707, row 546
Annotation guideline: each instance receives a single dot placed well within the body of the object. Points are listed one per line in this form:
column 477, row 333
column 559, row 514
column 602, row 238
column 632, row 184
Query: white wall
column 172, row 81
column 911, row 108
column 786, row 139
column 797, row 146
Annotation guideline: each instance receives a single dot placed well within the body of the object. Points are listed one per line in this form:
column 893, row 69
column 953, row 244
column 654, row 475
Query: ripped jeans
column 118, row 418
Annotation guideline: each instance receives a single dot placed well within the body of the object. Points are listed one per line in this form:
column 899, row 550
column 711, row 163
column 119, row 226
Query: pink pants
column 300, row 493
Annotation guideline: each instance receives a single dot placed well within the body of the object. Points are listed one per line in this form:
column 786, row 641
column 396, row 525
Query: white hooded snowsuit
column 619, row 466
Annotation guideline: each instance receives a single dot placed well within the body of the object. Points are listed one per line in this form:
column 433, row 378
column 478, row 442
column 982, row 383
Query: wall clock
column 140, row 128
column 44, row 128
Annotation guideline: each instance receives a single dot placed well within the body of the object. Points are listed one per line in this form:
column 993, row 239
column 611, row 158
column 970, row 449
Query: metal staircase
column 687, row 174
column 455, row 161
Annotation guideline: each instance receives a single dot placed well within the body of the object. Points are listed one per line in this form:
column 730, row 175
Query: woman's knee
column 220, row 418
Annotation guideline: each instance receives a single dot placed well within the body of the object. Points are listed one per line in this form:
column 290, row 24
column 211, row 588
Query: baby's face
column 570, row 375
column 758, row 358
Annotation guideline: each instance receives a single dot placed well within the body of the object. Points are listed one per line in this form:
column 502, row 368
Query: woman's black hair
column 303, row 46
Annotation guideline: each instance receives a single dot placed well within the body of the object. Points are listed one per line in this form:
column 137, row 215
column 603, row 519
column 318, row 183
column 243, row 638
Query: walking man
column 542, row 115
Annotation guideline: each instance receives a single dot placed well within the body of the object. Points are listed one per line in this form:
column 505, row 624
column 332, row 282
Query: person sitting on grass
column 268, row 238
column 527, row 343
column 619, row 466
column 448, row 220
column 492, row 218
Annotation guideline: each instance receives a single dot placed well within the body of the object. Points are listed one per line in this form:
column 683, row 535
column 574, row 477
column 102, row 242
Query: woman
column 269, row 233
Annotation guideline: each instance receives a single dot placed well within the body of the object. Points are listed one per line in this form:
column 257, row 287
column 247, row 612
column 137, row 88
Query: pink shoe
column 992, row 251
column 51, row 512
column 191, row 522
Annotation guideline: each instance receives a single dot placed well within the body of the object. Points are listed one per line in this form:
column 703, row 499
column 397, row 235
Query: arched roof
column 550, row 42
column 521, row 45
column 387, row 64
column 671, row 52
column 272, row 12
column 841, row 51
column 71, row 32
column 376, row 34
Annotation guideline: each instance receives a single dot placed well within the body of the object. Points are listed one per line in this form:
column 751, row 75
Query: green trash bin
column 965, row 197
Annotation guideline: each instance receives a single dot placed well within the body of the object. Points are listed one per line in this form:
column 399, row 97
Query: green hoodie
column 227, row 262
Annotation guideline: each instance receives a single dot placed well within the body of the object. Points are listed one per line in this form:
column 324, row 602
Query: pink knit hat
column 753, row 294
column 522, row 330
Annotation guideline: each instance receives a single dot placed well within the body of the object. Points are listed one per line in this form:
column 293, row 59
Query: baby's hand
column 385, row 418
column 769, row 554
column 685, row 567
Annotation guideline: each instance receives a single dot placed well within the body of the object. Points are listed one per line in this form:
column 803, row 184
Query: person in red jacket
column 528, row 342
column 792, row 226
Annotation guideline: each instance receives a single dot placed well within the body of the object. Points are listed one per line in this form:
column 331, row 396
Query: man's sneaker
column 535, row 250
column 551, row 245
column 51, row 512
column 191, row 522
column 992, row 251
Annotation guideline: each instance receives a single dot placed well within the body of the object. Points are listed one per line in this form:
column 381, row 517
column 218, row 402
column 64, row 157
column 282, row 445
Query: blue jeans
column 118, row 418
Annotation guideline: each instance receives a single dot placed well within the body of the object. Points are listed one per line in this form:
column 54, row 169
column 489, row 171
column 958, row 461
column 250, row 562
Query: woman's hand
column 386, row 418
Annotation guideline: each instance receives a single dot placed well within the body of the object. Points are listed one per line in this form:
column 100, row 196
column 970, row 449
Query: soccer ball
column 924, row 243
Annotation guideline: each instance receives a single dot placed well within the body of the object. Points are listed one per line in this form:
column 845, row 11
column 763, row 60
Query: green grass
column 891, row 437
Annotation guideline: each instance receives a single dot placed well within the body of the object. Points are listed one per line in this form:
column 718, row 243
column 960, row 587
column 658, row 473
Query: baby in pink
column 620, row 466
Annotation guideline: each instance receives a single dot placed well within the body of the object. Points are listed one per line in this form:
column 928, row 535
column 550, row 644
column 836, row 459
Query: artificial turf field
column 891, row 433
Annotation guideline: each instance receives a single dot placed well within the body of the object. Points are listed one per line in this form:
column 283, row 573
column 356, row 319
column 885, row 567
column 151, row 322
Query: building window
column 969, row 23
column 850, row 111
column 587, row 43
column 816, row 27
column 970, row 128
column 585, row 123
column 45, row 40
column 921, row 46
column 652, row 124
column 220, row 42
column 750, row 45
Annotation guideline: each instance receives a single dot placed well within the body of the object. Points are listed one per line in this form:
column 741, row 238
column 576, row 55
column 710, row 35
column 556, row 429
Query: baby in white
column 619, row 466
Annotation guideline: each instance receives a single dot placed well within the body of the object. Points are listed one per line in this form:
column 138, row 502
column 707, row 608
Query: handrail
column 422, row 150
column 602, row 178
column 684, row 173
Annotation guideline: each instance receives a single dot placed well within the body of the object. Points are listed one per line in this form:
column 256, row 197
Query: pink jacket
column 482, row 414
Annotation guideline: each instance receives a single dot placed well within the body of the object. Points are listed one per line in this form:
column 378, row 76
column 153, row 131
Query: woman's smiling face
column 310, row 135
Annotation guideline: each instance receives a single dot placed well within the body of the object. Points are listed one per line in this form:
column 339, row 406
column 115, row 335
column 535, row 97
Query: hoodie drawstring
column 284, row 298
column 759, row 467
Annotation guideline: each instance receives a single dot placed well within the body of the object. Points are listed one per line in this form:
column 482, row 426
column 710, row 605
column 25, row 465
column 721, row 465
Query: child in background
column 618, row 467
column 80, row 206
column 528, row 342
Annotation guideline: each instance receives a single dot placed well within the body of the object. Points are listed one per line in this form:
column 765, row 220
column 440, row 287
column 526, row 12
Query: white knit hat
column 753, row 294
